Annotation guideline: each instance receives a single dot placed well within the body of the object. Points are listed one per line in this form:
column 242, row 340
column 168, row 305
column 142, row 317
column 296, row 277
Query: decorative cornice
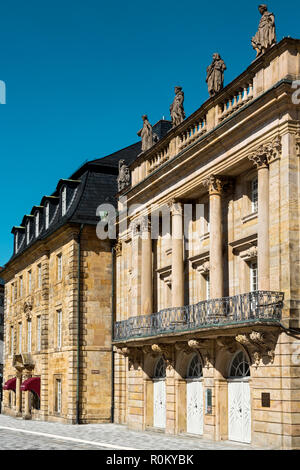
column 249, row 254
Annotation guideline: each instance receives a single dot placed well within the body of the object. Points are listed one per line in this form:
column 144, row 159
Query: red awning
column 10, row 384
column 33, row 384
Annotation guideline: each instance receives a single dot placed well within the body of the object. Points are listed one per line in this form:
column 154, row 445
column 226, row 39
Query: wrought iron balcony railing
column 259, row 306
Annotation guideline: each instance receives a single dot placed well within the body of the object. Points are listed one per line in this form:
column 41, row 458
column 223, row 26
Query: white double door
column 194, row 407
column 239, row 412
column 159, row 403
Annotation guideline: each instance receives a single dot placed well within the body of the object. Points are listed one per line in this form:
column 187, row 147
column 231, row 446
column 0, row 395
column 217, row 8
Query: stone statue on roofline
column 176, row 108
column 146, row 134
column 266, row 34
column 215, row 75
column 124, row 176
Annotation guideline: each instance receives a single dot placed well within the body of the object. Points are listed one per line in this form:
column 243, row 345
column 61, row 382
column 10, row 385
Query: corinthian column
column 215, row 185
column 177, row 255
column 260, row 159
column 146, row 294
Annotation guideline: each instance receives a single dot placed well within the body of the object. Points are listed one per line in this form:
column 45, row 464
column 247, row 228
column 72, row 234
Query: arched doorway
column 194, row 396
column 159, row 394
column 239, row 399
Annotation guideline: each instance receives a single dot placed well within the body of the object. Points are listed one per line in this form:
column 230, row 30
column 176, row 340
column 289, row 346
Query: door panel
column 239, row 412
column 159, row 403
column 194, row 399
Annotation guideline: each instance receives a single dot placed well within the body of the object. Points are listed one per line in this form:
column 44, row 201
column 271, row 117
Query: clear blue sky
column 80, row 74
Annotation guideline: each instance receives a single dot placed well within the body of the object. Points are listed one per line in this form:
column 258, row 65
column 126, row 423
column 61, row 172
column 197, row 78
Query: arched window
column 195, row 368
column 240, row 366
column 160, row 369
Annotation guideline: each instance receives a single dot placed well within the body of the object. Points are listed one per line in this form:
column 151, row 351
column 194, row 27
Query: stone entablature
column 279, row 63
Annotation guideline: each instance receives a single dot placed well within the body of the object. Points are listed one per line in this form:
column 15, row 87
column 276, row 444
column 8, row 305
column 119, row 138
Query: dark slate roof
column 93, row 184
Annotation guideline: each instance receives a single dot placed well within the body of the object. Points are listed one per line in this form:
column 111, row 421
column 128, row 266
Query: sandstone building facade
column 58, row 358
column 59, row 301
column 207, row 334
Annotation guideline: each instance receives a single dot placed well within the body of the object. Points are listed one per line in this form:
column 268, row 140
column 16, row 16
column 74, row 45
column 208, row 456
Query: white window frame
column 21, row 286
column 29, row 281
column 47, row 215
column 28, row 233
column 12, row 340
column 59, row 267
column 29, row 336
column 39, row 336
column 64, row 201
column 59, row 329
column 20, row 337
column 16, row 242
column 253, row 276
column 58, row 395
column 39, row 276
column 207, row 287
column 37, row 224
column 254, row 195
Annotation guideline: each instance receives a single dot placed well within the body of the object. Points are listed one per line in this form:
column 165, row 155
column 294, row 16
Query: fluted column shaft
column 215, row 185
column 260, row 160
column 177, row 255
column 147, row 274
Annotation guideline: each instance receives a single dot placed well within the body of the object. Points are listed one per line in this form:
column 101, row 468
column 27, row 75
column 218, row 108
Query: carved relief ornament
column 259, row 345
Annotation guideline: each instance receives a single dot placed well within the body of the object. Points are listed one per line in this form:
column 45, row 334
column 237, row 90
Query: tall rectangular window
column 29, row 282
column 21, row 286
column 253, row 277
column 13, row 298
column 37, row 224
column 11, row 340
column 20, row 337
column 64, row 201
column 254, row 195
column 39, row 273
column 59, row 329
column 58, row 396
column 207, row 286
column 59, row 267
column 38, row 339
column 47, row 215
column 29, row 336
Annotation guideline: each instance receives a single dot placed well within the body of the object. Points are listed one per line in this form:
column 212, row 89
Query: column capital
column 118, row 248
column 215, row 184
column 175, row 207
column 266, row 153
column 145, row 224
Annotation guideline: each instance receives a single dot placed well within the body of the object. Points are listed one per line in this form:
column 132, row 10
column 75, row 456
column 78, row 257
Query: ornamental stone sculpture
column 124, row 175
column 215, row 75
column 266, row 34
column 146, row 133
column 176, row 108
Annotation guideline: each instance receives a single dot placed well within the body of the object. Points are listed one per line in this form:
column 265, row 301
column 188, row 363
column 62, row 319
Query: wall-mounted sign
column 265, row 400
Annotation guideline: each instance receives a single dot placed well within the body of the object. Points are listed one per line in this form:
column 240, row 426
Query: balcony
column 254, row 307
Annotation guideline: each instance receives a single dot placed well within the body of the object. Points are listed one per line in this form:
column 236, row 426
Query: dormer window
column 37, row 224
column 16, row 242
column 28, row 233
column 47, row 215
column 64, row 201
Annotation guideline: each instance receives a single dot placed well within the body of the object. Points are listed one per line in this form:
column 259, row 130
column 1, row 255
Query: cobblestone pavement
column 17, row 434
